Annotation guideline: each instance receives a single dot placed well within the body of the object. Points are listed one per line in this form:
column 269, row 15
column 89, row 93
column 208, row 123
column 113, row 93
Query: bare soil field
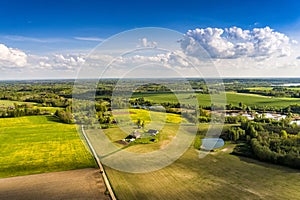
column 74, row 184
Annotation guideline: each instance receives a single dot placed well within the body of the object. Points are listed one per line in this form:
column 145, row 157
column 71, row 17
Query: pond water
column 212, row 143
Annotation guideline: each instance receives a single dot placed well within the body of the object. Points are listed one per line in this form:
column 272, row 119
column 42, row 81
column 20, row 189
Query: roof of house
column 152, row 131
column 135, row 134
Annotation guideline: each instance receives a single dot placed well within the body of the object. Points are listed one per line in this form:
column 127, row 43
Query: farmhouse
column 134, row 135
column 153, row 132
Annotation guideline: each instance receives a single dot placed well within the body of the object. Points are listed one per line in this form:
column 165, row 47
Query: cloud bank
column 234, row 51
column 11, row 58
column 235, row 42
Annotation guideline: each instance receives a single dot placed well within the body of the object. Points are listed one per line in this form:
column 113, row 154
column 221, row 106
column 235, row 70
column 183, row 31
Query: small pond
column 212, row 143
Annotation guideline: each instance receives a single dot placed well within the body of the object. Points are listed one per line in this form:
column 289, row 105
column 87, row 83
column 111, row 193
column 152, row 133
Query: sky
column 52, row 39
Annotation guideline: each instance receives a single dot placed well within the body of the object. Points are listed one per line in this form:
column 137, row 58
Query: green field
column 258, row 100
column 11, row 103
column 231, row 97
column 218, row 176
column 260, row 88
column 49, row 109
column 147, row 116
column 38, row 144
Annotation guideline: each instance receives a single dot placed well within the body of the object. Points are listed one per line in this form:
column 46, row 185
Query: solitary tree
column 139, row 122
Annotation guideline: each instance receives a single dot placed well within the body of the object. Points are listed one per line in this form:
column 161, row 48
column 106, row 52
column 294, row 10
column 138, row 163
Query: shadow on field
column 118, row 150
column 53, row 119
column 268, row 165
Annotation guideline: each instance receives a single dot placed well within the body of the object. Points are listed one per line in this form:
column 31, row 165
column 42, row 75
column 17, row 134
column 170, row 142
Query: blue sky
column 49, row 27
column 104, row 18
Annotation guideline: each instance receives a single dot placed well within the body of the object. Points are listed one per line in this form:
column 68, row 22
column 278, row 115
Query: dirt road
column 74, row 184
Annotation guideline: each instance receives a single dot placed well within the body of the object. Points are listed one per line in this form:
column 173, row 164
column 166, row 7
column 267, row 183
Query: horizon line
column 107, row 78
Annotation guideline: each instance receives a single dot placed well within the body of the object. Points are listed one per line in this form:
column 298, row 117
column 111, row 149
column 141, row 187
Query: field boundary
column 102, row 171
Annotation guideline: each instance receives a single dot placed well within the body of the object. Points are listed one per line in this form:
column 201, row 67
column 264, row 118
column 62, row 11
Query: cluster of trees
column 283, row 150
column 234, row 119
column 19, row 110
column 242, row 133
column 140, row 123
column 139, row 102
column 204, row 116
column 263, row 141
column 152, row 87
column 36, row 91
column 275, row 92
column 65, row 116
column 49, row 100
column 236, row 133
column 168, row 106
column 93, row 114
column 293, row 108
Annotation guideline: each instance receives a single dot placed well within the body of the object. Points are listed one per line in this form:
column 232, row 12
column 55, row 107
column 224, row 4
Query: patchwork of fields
column 219, row 175
column 37, row 144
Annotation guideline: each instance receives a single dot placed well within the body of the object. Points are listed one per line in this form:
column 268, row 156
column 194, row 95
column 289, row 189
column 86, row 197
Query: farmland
column 149, row 116
column 38, row 144
column 252, row 100
column 218, row 176
column 115, row 134
column 166, row 123
column 35, row 142
column 231, row 98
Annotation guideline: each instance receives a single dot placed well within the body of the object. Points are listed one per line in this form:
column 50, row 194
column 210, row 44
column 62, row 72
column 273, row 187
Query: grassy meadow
column 11, row 103
column 231, row 98
column 38, row 144
column 258, row 100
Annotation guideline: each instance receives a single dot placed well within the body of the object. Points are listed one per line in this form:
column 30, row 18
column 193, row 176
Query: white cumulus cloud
column 144, row 42
column 10, row 57
column 168, row 59
column 235, row 42
column 61, row 62
column 14, row 58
